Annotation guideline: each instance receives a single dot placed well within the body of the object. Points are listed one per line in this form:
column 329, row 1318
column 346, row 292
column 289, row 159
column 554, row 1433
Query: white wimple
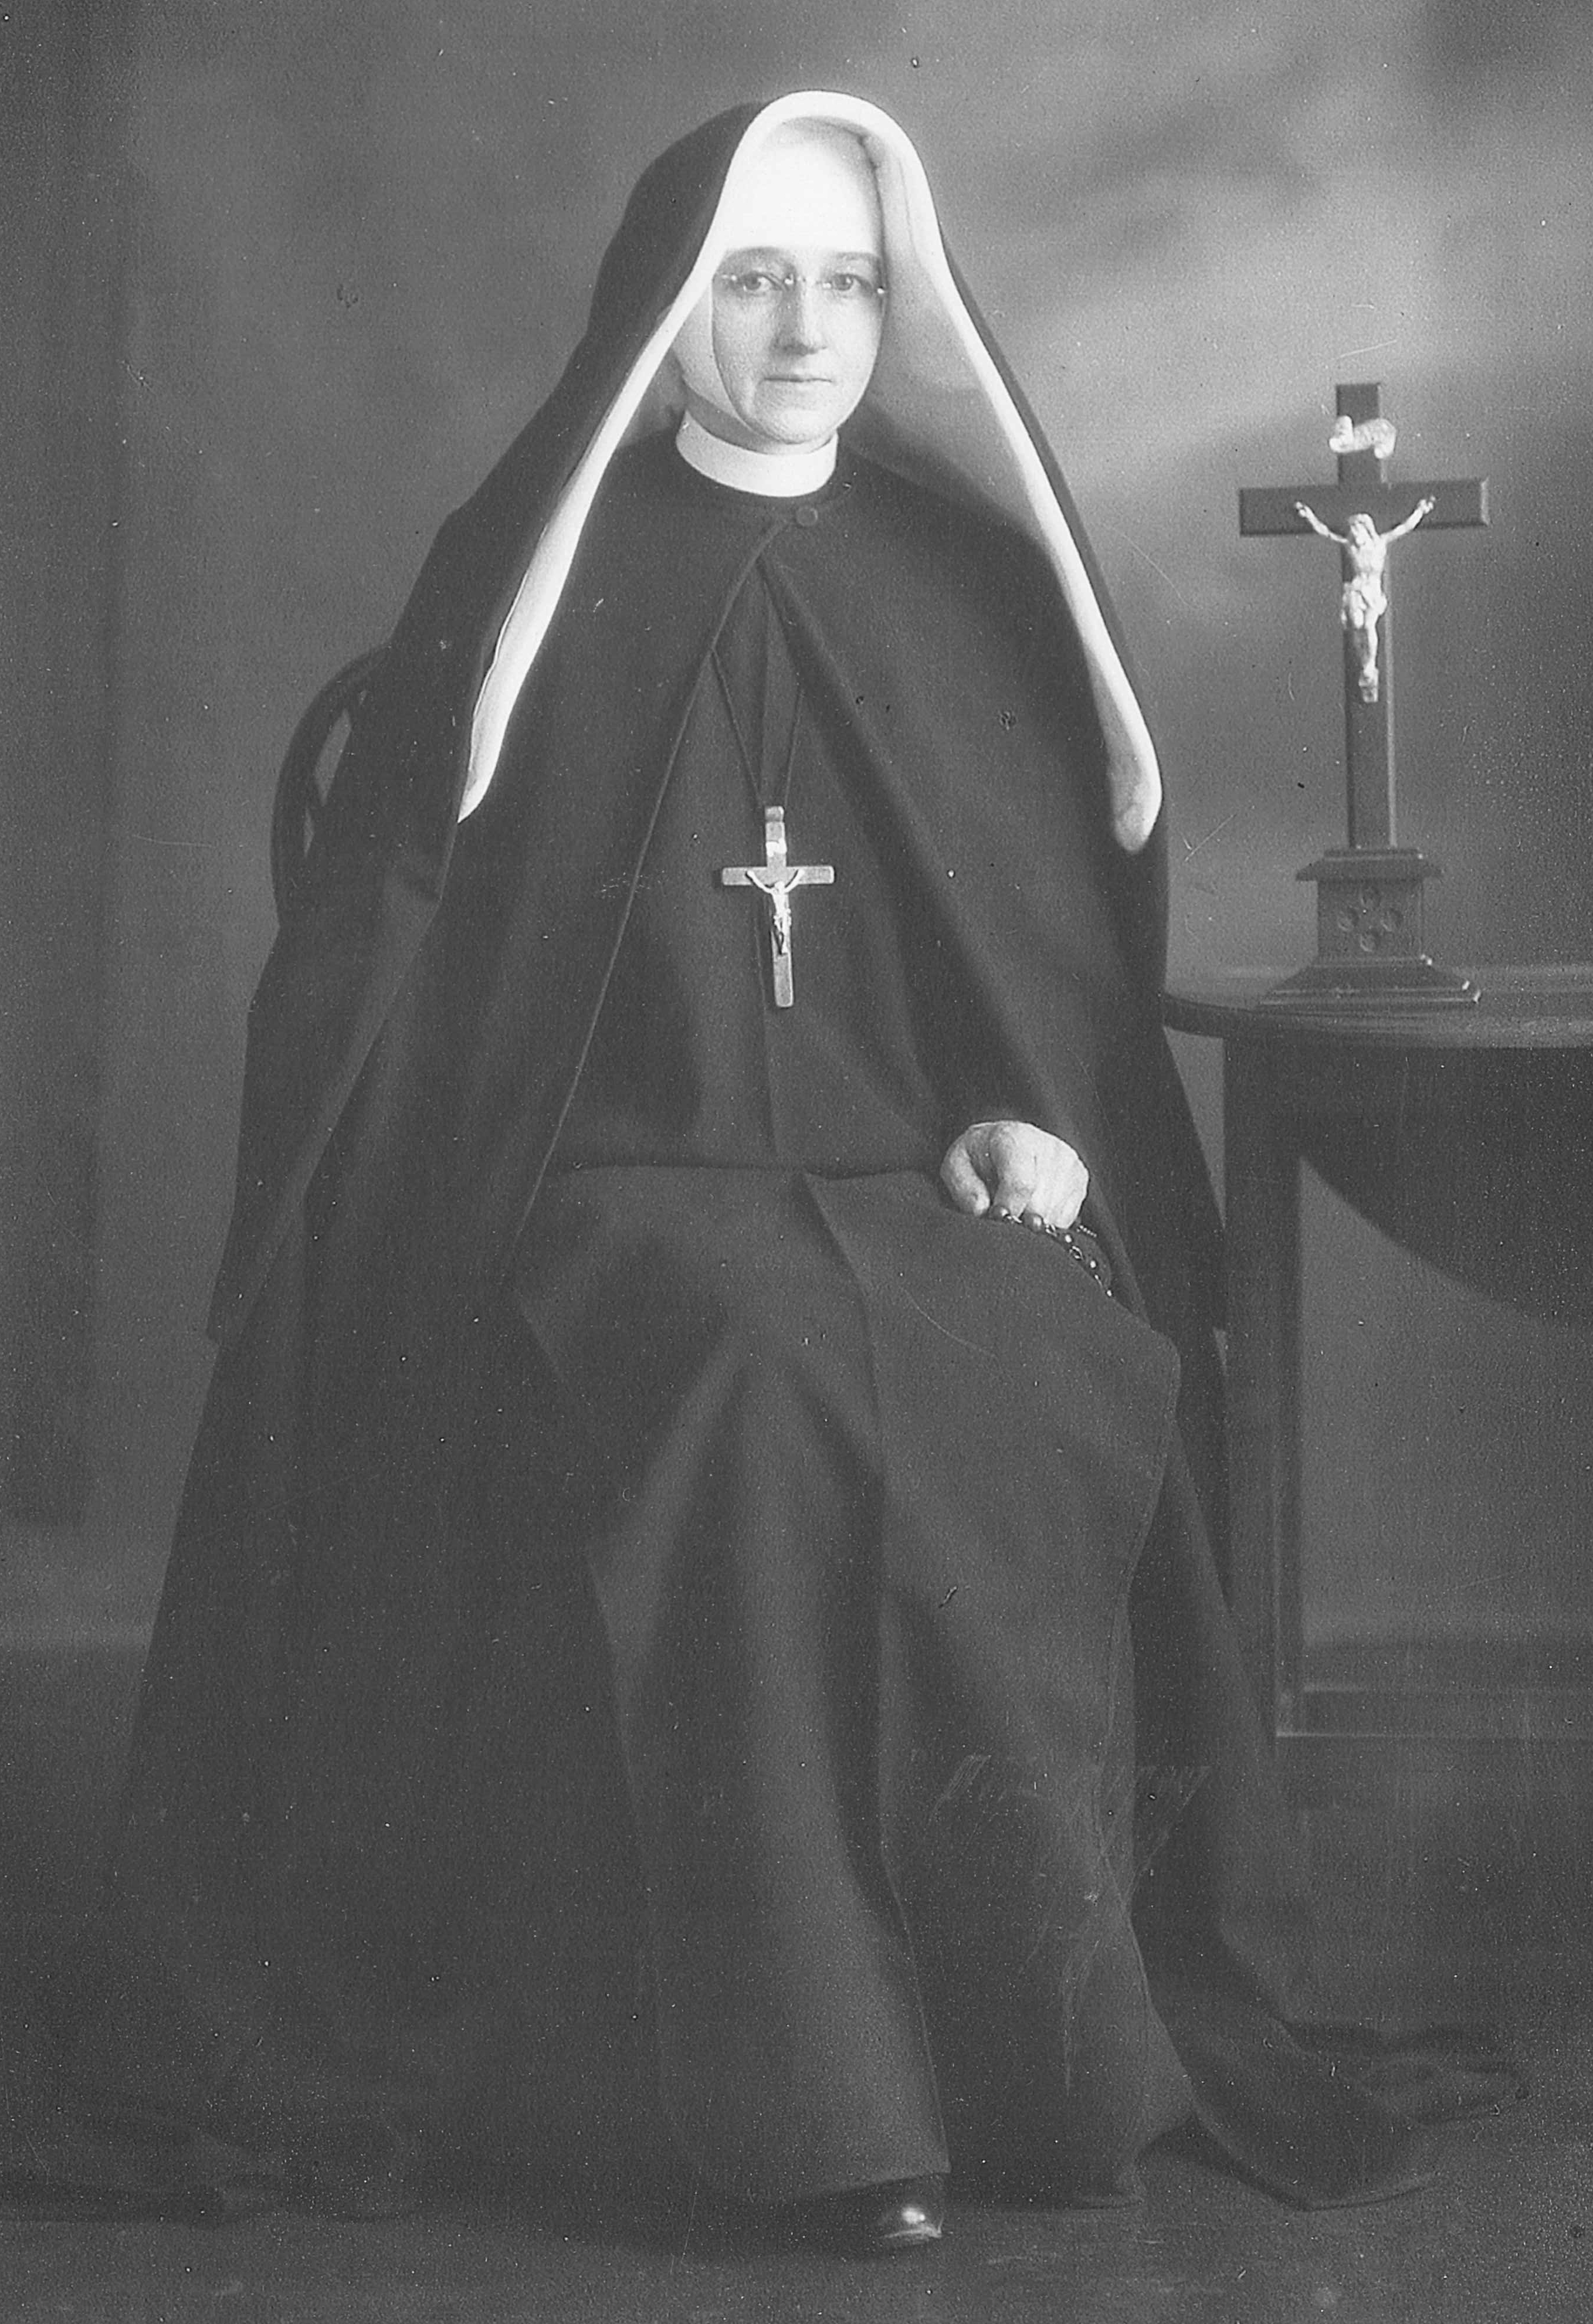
column 937, row 402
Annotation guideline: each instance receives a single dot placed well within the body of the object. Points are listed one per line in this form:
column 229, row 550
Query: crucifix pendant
column 777, row 879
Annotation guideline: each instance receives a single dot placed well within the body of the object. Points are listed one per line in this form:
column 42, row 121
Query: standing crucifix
column 1369, row 893
column 777, row 879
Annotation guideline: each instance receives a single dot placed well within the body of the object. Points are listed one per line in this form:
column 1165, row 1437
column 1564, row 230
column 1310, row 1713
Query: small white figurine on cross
column 1363, row 600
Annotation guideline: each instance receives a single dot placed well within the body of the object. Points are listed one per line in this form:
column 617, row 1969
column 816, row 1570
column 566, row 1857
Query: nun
column 693, row 1631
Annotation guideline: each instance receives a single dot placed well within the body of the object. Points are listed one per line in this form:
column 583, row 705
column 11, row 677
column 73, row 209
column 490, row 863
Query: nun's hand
column 1012, row 1166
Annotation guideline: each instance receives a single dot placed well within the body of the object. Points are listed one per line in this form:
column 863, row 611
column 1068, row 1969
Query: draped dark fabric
column 757, row 1688
column 865, row 1659
column 678, row 1642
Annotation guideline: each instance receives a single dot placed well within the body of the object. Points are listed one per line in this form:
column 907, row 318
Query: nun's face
column 796, row 330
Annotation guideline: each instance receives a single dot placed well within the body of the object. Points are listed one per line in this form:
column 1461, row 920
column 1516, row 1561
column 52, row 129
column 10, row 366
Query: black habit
column 674, row 1629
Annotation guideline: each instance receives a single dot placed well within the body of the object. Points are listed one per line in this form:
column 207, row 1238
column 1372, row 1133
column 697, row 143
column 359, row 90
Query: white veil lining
column 936, row 393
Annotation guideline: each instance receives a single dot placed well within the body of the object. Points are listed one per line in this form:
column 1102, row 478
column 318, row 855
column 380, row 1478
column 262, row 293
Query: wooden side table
column 1284, row 1073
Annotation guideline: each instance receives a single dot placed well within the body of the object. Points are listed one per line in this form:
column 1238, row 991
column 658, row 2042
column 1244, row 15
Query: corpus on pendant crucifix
column 777, row 879
column 1369, row 940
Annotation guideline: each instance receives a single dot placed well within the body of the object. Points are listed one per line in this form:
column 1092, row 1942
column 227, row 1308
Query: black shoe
column 876, row 2222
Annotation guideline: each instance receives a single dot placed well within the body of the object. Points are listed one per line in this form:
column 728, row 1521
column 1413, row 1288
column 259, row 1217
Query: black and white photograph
column 796, row 1162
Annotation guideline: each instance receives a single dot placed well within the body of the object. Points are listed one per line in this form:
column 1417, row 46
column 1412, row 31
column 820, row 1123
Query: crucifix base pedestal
column 1369, row 940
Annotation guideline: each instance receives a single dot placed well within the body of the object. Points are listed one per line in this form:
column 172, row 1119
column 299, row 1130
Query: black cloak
column 376, row 1737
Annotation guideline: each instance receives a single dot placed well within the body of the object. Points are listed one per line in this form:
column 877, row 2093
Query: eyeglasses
column 840, row 286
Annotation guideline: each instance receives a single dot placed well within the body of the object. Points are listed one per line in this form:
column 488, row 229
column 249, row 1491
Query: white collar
column 938, row 403
column 772, row 476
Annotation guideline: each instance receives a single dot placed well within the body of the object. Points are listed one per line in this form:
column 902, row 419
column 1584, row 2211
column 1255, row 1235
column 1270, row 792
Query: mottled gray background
column 285, row 278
